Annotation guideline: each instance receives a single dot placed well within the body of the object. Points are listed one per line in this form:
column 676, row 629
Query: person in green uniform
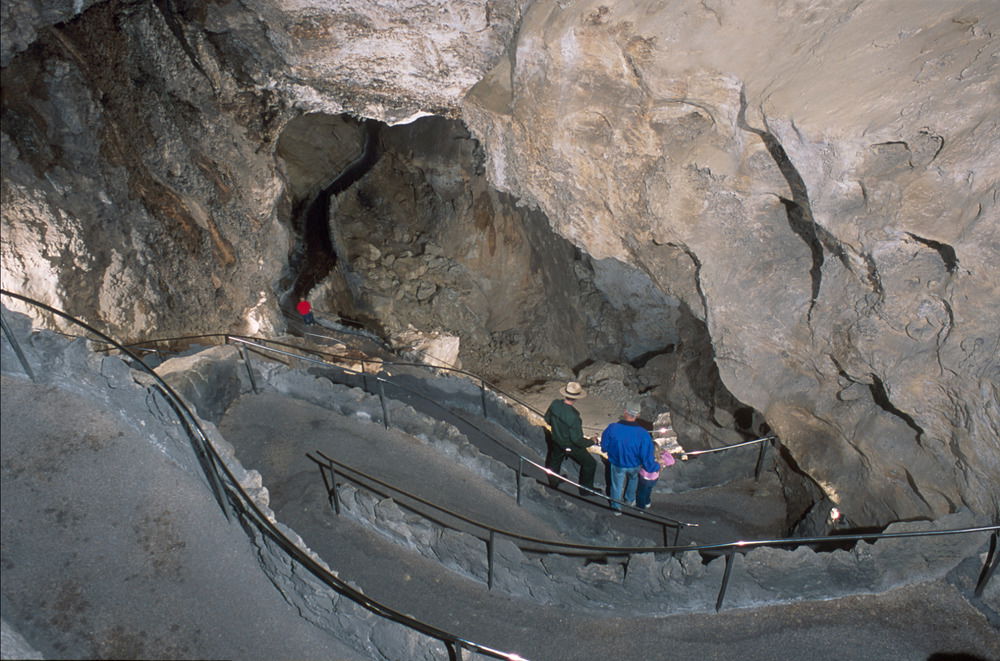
column 566, row 437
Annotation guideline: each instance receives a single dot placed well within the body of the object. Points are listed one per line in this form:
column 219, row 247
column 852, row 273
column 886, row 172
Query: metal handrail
column 454, row 643
column 728, row 548
column 521, row 458
column 250, row 508
column 609, row 550
column 473, row 376
column 695, row 453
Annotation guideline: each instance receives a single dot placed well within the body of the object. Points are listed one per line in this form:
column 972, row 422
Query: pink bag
column 666, row 459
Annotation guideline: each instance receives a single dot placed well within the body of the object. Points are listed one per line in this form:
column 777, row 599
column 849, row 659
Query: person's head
column 632, row 411
column 572, row 391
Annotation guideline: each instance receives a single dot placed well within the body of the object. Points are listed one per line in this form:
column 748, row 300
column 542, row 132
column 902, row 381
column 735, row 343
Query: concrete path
column 272, row 434
column 110, row 550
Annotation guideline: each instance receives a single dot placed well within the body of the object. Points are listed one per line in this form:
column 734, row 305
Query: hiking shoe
column 616, row 513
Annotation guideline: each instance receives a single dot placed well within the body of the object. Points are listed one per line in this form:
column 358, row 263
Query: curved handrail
column 639, row 512
column 253, row 341
column 609, row 550
column 457, row 370
column 620, row 550
column 250, row 508
column 727, row 548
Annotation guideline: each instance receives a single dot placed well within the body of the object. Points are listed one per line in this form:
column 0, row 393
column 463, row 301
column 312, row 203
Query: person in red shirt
column 305, row 309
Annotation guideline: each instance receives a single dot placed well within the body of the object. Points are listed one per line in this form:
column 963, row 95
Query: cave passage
column 318, row 254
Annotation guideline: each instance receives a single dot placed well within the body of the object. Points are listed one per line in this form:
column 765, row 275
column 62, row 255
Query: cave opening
column 398, row 228
column 323, row 156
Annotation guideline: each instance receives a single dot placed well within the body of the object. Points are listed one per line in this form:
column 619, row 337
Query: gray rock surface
column 113, row 546
column 818, row 219
column 827, row 208
column 159, row 535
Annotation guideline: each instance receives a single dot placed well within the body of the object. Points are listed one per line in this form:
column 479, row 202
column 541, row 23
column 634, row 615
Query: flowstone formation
column 809, row 187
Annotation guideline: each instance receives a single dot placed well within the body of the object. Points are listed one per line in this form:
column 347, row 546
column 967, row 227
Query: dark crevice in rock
column 802, row 226
column 319, row 256
column 873, row 278
column 946, row 251
column 916, row 490
column 800, row 490
column 799, row 209
column 881, row 397
column 697, row 276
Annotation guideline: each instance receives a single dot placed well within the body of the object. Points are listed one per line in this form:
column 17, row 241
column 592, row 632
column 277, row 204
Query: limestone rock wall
column 135, row 194
column 140, row 188
column 817, row 182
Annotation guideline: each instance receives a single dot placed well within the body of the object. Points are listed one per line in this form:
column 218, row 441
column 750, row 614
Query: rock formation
column 799, row 197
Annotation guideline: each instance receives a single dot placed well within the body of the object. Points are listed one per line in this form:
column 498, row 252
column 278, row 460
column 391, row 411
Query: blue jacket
column 628, row 445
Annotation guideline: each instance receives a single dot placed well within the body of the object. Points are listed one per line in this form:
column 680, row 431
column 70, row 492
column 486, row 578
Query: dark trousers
column 588, row 465
column 644, row 493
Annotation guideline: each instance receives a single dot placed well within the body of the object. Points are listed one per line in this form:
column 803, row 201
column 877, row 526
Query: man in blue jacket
column 628, row 446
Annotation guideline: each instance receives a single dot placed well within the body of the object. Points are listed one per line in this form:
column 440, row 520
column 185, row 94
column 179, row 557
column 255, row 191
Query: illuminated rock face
column 818, row 182
column 814, row 184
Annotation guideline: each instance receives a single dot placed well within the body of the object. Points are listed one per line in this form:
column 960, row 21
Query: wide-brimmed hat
column 573, row 390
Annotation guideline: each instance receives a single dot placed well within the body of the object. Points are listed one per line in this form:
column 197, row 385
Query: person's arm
column 577, row 437
column 649, row 463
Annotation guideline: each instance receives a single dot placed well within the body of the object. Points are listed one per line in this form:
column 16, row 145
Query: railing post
column 17, row 348
column 760, row 460
column 482, row 396
column 454, row 650
column 520, row 472
column 331, row 486
column 381, row 399
column 490, row 549
column 989, row 567
column 725, row 581
column 364, row 375
column 246, row 361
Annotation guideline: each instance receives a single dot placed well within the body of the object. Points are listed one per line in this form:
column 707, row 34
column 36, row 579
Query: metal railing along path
column 764, row 442
column 522, row 461
column 328, row 470
column 246, row 506
column 484, row 385
column 233, row 499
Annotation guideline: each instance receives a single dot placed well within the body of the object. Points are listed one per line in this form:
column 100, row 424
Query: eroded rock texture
column 801, row 196
column 829, row 172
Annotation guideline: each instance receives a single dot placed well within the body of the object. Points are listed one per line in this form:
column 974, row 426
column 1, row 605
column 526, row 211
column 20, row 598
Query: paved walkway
column 110, row 550
column 272, row 434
